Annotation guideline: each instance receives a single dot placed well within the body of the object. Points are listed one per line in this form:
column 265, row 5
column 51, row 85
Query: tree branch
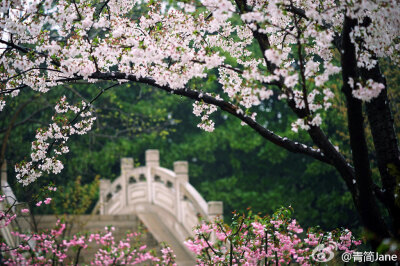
column 27, row 50
column 317, row 135
column 285, row 143
column 25, row 120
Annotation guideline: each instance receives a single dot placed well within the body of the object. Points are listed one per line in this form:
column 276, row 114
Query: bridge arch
column 167, row 204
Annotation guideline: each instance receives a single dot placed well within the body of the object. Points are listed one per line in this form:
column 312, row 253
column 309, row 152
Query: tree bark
column 363, row 197
column 386, row 145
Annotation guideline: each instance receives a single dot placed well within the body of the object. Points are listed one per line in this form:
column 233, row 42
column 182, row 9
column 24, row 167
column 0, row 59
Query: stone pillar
column 181, row 169
column 152, row 158
column 126, row 166
column 105, row 185
column 126, row 171
column 215, row 209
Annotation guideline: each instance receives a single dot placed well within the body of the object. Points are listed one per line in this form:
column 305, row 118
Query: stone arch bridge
column 164, row 201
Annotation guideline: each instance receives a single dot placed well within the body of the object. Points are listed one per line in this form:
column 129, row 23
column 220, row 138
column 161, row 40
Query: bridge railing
column 155, row 185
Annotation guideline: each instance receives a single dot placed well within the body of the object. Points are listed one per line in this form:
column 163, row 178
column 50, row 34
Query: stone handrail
column 161, row 197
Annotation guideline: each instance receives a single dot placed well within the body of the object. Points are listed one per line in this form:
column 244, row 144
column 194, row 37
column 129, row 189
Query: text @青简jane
column 368, row 256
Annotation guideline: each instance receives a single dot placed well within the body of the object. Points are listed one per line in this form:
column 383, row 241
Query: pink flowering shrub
column 6, row 216
column 49, row 248
column 249, row 240
column 276, row 239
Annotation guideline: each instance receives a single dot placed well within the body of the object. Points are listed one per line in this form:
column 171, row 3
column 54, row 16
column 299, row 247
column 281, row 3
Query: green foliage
column 75, row 197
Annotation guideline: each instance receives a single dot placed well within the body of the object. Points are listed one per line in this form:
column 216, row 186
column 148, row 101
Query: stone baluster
column 152, row 158
column 215, row 209
column 126, row 171
column 181, row 169
column 152, row 161
column 105, row 185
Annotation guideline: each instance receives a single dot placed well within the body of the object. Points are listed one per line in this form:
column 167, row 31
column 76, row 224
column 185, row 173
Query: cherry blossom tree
column 301, row 44
column 269, row 240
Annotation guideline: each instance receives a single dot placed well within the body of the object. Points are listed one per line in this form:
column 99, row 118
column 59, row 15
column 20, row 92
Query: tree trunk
column 386, row 146
column 363, row 197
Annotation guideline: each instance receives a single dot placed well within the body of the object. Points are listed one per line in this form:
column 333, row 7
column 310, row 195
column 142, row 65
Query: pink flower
column 47, row 201
column 24, row 211
column 39, row 203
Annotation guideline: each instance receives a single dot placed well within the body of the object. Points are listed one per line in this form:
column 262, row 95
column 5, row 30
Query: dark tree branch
column 25, row 120
column 77, row 10
column 317, row 135
column 296, row 11
column 27, row 50
column 301, row 61
column 285, row 143
column 17, row 47
column 103, row 6
column 28, row 70
column 11, row 90
column 237, row 70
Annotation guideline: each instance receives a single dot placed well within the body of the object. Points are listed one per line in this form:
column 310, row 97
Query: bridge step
column 163, row 234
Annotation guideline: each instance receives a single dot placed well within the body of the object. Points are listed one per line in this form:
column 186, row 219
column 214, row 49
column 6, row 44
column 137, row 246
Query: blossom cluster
column 276, row 240
column 367, row 92
column 51, row 142
column 46, row 201
column 204, row 110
